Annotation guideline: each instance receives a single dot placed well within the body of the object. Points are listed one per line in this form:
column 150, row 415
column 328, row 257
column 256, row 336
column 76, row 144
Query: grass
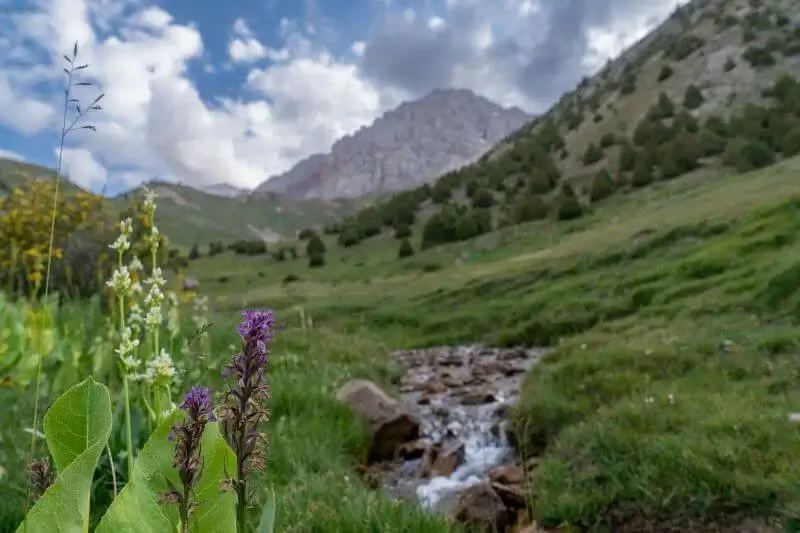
column 673, row 314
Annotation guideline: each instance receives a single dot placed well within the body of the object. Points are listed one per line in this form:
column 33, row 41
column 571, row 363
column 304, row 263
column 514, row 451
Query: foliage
column 316, row 260
column 593, row 154
column 80, row 240
column 569, row 207
column 602, row 186
column 665, row 73
column 405, row 250
column 315, row 246
column 248, row 247
column 692, row 98
column 759, row 57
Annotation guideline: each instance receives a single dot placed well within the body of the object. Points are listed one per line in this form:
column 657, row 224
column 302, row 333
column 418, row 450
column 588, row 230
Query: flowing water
column 462, row 395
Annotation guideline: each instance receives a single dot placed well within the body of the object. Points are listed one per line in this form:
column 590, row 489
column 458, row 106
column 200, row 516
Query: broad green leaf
column 136, row 508
column 76, row 427
column 217, row 509
column 267, row 522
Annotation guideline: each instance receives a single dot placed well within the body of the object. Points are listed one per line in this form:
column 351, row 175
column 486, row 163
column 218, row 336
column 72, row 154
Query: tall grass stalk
column 71, row 70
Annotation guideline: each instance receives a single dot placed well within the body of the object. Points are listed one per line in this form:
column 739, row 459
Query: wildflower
column 120, row 281
column 187, row 459
column 126, row 350
column 40, row 476
column 160, row 369
column 242, row 409
column 135, row 265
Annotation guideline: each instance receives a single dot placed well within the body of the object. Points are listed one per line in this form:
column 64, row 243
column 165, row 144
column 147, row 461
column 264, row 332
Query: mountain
column 715, row 85
column 223, row 189
column 406, row 147
column 188, row 215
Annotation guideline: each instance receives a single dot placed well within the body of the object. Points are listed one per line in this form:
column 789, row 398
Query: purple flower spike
column 198, row 404
column 256, row 325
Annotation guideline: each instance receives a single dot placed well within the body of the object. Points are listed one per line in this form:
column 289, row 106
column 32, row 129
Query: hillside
column 672, row 312
column 406, row 147
column 714, row 85
column 190, row 216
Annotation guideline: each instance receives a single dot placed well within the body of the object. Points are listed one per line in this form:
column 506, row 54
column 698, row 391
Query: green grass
column 673, row 313
column 673, row 317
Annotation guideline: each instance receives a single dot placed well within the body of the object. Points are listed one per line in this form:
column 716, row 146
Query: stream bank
column 443, row 443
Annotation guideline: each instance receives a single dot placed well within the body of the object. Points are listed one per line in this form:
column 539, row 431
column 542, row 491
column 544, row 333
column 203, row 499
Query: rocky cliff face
column 406, row 147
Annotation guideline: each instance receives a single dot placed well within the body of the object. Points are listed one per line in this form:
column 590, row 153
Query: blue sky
column 237, row 91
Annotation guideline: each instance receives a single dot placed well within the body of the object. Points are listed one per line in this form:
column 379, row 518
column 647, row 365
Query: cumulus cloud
column 297, row 98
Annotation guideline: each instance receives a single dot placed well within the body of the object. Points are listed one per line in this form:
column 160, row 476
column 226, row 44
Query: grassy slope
column 191, row 216
column 673, row 311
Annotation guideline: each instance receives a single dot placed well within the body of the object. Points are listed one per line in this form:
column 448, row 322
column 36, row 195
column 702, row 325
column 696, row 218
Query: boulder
column 392, row 424
column 482, row 508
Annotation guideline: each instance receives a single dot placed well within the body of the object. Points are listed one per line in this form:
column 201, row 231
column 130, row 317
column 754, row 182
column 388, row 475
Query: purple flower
column 242, row 410
column 187, row 459
column 198, row 404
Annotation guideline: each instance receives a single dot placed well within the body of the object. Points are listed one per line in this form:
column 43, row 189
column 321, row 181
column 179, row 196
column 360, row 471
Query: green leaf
column 76, row 427
column 217, row 509
column 267, row 522
column 136, row 508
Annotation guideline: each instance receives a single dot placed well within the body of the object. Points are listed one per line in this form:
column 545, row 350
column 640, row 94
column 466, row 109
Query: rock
column 511, row 354
column 481, row 507
column 391, row 423
column 448, row 460
column 390, row 433
column 190, row 284
column 513, row 496
column 367, row 399
column 413, row 450
column 509, row 474
column 477, row 397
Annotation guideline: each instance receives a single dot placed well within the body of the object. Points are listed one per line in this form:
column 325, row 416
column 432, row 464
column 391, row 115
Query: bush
column 483, row 198
column 592, row 155
column 243, row 247
column 316, row 260
column 306, row 234
column 665, row 73
column 602, row 186
column 729, row 65
column 315, row 246
column 791, row 143
column 291, row 278
column 683, row 47
column 528, row 208
column 664, row 108
column 747, row 154
column 348, row 237
column 642, row 171
column 607, row 140
column 405, row 249
column 194, row 252
column 628, row 85
column 215, row 248
column 692, row 98
column 569, row 207
column 627, row 157
column 759, row 57
column 402, row 231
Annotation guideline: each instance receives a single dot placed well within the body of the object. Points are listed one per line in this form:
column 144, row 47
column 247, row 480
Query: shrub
column 402, row 231
column 791, row 143
column 243, row 247
column 592, row 155
column 729, row 65
column 607, row 140
column 194, row 252
column 315, row 246
column 215, row 248
column 684, row 121
column 306, row 234
column 348, row 237
column 643, row 170
column 627, row 157
column 316, row 260
column 664, row 107
column 683, row 47
column 528, row 208
column 759, row 57
column 405, row 249
column 540, row 183
column 569, row 207
column 747, row 154
column 628, row 85
column 665, row 73
column 483, row 198
column 602, row 186
column 692, row 98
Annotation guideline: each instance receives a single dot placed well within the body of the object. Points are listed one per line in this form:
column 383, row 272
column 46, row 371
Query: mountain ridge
column 405, row 147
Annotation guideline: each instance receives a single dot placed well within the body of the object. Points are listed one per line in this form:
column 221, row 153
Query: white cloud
column 358, row 48
column 245, row 48
column 10, row 154
column 82, row 168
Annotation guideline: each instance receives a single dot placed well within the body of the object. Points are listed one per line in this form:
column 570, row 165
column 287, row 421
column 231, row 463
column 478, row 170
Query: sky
column 235, row 91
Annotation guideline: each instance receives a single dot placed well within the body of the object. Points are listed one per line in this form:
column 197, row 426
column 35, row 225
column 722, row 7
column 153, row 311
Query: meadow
column 673, row 314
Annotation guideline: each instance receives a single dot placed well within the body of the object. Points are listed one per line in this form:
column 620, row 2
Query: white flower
column 135, row 265
column 160, row 368
column 149, row 200
column 120, row 281
column 126, row 349
column 121, row 244
column 126, row 227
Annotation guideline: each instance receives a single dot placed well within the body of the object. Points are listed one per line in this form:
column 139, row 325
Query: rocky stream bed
column 443, row 443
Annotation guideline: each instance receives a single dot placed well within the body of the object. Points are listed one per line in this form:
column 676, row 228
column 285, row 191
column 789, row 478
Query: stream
column 462, row 394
